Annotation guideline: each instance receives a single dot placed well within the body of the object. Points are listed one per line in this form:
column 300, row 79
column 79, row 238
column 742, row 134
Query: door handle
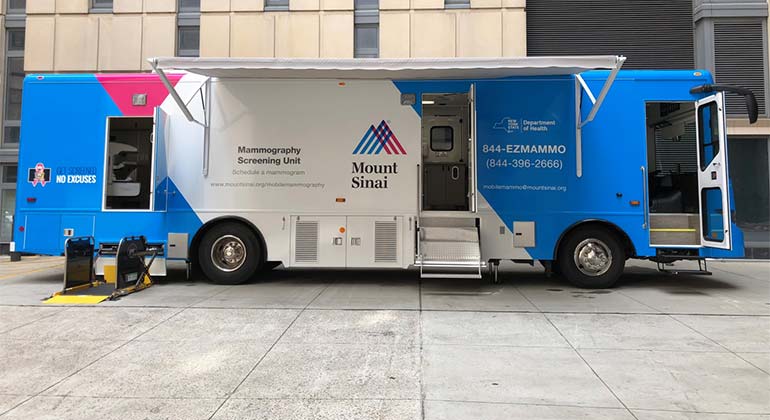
column 455, row 173
column 337, row 241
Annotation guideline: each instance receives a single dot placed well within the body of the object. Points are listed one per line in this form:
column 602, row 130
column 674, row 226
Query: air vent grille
column 306, row 242
column 385, row 242
column 739, row 60
column 653, row 34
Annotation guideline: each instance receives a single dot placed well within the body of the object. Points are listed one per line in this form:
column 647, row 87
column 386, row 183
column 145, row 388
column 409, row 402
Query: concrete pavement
column 385, row 345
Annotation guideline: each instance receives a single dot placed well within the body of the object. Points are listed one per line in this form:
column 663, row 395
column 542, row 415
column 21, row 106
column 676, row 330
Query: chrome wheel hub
column 228, row 253
column 593, row 257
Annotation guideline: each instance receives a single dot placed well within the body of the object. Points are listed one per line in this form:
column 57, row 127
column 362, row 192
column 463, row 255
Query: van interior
column 673, row 173
column 445, row 154
column 129, row 163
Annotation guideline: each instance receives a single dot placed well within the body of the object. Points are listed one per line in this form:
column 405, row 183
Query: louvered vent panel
column 386, row 242
column 677, row 156
column 306, row 242
column 739, row 60
column 653, row 34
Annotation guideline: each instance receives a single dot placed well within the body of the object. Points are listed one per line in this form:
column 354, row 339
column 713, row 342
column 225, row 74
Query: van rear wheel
column 592, row 258
column 229, row 253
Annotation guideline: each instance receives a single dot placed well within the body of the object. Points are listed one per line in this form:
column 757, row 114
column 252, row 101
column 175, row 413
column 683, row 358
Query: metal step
column 669, row 268
column 449, row 251
column 674, row 229
column 449, row 234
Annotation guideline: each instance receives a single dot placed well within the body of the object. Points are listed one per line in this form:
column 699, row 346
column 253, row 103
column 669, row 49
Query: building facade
column 728, row 37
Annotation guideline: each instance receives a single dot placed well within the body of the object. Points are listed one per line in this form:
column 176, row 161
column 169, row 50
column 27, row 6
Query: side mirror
column 751, row 101
column 752, row 106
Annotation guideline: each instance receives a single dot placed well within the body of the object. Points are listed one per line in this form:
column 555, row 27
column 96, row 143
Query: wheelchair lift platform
column 130, row 274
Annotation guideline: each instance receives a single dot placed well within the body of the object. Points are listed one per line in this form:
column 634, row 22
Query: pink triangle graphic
column 122, row 87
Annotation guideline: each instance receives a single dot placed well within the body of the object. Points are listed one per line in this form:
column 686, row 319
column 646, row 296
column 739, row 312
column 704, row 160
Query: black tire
column 223, row 265
column 590, row 245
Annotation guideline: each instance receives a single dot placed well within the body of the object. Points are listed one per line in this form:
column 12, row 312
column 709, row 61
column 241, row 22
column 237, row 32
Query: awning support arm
column 583, row 83
column 174, row 94
column 605, row 90
column 579, row 130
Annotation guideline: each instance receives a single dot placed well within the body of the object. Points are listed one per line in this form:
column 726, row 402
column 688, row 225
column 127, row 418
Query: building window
column 276, row 5
column 193, row 6
column 101, row 6
column 17, row 7
column 366, row 29
column 751, row 191
column 14, row 81
column 188, row 39
column 7, row 201
column 457, row 4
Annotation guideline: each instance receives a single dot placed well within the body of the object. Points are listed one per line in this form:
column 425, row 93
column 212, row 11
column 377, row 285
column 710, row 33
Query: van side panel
column 64, row 120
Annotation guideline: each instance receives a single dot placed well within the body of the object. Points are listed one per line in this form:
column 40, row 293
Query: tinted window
column 713, row 215
column 189, row 41
column 441, row 138
column 708, row 127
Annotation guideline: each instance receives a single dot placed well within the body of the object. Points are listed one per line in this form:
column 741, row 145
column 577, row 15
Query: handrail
column 645, row 197
column 419, row 210
column 419, row 190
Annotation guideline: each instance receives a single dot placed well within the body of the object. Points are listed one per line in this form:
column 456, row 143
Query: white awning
column 388, row 69
column 375, row 68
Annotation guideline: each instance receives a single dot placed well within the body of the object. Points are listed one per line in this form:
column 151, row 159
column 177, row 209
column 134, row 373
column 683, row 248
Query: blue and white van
column 449, row 165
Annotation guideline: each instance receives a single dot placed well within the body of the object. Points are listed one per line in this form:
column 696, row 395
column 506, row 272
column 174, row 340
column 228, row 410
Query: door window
column 708, row 125
column 441, row 138
column 713, row 215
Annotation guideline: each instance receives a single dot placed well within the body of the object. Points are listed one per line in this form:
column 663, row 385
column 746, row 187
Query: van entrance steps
column 666, row 265
column 449, row 250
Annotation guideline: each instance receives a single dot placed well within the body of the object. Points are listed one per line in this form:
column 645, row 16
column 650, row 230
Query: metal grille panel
column 306, row 242
column 739, row 60
column 386, row 242
column 655, row 34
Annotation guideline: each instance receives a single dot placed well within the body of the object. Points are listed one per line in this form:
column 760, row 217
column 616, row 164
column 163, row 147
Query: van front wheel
column 229, row 253
column 592, row 258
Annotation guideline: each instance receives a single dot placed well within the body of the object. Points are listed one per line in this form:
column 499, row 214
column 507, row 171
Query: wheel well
column 599, row 224
column 193, row 253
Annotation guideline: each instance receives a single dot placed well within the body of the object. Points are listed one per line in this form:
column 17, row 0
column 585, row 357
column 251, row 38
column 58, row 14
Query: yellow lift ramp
column 131, row 272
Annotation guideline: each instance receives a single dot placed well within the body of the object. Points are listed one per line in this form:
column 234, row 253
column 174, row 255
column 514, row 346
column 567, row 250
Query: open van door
column 712, row 172
column 160, row 166
column 472, row 149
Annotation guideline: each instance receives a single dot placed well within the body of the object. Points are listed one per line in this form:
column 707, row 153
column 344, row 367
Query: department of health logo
column 508, row 124
column 377, row 139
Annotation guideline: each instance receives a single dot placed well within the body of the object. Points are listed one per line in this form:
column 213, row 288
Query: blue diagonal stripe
column 369, row 140
column 373, row 142
column 362, row 142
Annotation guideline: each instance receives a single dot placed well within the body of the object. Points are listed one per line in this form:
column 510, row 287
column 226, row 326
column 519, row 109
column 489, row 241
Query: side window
column 441, row 138
column 708, row 133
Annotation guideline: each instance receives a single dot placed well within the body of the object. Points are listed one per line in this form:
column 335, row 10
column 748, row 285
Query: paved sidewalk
column 385, row 345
